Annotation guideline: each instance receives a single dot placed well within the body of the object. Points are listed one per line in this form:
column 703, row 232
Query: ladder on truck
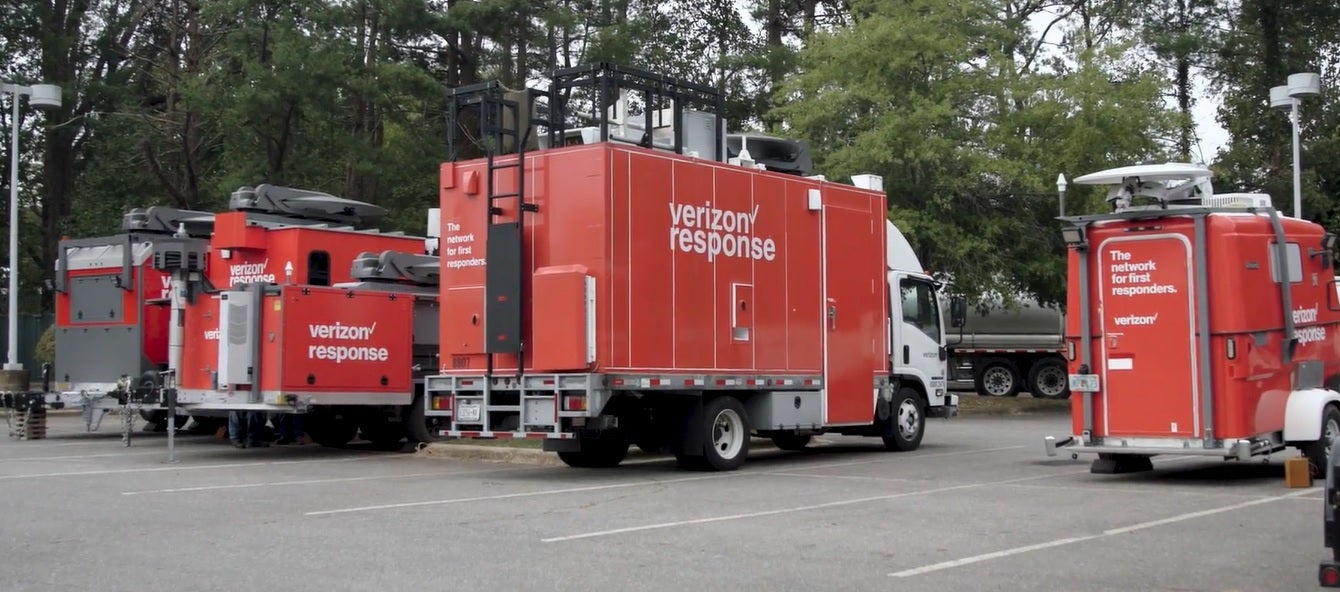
column 504, row 254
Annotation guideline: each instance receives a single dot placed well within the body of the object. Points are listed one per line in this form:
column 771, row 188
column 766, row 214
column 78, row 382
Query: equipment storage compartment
column 697, row 266
column 785, row 410
column 332, row 339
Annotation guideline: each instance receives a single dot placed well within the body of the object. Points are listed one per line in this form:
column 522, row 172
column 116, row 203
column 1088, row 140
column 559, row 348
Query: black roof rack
column 166, row 220
column 396, row 267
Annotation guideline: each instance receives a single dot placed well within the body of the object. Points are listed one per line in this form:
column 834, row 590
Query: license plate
column 1084, row 383
column 467, row 412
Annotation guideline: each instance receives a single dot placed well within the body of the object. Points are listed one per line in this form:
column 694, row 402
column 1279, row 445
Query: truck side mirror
column 958, row 311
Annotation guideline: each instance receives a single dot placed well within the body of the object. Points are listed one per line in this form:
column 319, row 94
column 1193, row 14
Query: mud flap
column 689, row 440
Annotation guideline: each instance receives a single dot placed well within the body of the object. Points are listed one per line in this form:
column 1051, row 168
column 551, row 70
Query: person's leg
column 257, row 424
column 285, row 423
column 237, row 428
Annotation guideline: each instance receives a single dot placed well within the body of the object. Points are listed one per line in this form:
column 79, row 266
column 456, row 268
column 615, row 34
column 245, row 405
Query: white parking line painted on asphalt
column 76, row 456
column 180, row 468
column 319, row 481
column 461, row 500
column 848, row 502
column 1106, row 533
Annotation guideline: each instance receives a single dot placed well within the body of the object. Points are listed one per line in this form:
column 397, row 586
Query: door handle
column 832, row 316
column 907, row 354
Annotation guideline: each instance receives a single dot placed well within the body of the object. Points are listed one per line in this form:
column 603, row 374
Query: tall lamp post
column 42, row 96
column 1289, row 96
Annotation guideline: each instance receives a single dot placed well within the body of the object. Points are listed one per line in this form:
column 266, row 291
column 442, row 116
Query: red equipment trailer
column 1260, row 367
column 113, row 293
column 605, row 294
column 344, row 354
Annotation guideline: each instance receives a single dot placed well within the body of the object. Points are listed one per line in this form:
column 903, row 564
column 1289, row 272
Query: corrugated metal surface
column 31, row 327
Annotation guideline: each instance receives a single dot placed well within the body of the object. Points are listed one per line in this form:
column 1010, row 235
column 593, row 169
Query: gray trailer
column 1009, row 350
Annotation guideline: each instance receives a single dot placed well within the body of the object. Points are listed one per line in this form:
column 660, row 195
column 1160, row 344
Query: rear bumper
column 1241, row 449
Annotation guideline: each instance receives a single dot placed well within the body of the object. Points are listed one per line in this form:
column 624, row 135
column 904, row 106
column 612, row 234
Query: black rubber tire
column 994, row 369
column 906, row 405
column 416, row 422
column 731, row 412
column 605, row 453
column 1044, row 371
column 330, row 431
column 1318, row 453
column 791, row 441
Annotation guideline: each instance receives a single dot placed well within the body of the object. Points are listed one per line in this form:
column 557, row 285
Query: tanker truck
column 1007, row 350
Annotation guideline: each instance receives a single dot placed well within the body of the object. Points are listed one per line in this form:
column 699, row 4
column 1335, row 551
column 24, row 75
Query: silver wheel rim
column 997, row 381
column 1051, row 381
column 908, row 419
column 728, row 433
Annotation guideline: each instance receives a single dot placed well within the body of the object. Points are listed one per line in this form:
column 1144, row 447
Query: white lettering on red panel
column 458, row 249
column 341, row 353
column 250, row 273
column 718, row 232
column 1311, row 334
column 1134, row 278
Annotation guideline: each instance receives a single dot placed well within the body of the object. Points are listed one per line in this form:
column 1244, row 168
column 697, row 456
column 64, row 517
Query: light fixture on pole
column 42, row 96
column 1289, row 97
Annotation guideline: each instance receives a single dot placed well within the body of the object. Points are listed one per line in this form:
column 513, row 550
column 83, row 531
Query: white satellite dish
column 1171, row 171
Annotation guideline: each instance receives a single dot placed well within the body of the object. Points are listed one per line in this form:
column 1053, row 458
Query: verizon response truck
column 629, row 285
column 1198, row 324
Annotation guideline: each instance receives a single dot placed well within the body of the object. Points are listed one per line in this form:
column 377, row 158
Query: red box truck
column 637, row 285
column 1198, row 324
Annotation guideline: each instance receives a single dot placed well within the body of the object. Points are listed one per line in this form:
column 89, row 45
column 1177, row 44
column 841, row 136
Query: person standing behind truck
column 244, row 429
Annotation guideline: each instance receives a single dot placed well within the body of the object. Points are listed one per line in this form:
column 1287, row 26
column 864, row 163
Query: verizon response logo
column 340, row 353
column 718, row 232
column 1311, row 334
column 250, row 273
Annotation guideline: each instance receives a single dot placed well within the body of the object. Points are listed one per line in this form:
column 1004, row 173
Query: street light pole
column 1289, row 96
column 42, row 96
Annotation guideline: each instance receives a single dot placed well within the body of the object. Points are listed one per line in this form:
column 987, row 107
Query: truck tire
column 907, row 425
column 1047, row 379
column 791, row 441
column 597, row 453
column 998, row 377
column 724, row 430
column 1319, row 453
column 416, row 422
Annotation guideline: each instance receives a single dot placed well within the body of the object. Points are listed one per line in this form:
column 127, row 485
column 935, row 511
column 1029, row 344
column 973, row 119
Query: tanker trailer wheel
column 907, row 426
column 724, row 430
column 998, row 378
column 1048, row 379
column 1319, row 453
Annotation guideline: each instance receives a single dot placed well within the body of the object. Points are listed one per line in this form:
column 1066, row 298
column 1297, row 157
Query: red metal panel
column 559, row 342
column 338, row 340
column 692, row 346
column 1148, row 318
column 851, row 285
column 200, row 357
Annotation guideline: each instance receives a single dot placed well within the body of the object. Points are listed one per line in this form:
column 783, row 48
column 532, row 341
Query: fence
column 31, row 327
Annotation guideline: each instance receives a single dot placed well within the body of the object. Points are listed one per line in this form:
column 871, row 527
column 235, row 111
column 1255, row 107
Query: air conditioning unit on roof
column 1238, row 200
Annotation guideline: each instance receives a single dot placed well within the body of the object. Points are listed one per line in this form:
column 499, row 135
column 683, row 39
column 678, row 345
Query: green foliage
column 963, row 108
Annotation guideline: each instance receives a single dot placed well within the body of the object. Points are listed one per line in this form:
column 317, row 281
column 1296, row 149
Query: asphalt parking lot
column 978, row 507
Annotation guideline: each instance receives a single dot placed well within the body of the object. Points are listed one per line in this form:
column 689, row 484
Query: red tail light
column 1330, row 576
column 574, row 402
column 441, row 402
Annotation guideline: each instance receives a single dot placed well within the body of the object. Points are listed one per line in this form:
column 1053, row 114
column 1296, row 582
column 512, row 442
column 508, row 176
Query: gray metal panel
column 237, row 337
column 1085, row 333
column 95, row 299
column 1203, row 333
column 98, row 354
column 781, row 410
column 1030, row 325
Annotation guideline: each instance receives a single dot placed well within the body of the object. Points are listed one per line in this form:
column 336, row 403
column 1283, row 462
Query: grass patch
column 1010, row 405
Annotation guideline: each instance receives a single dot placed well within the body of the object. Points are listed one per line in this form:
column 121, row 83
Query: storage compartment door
column 563, row 320
column 1147, row 302
column 853, row 308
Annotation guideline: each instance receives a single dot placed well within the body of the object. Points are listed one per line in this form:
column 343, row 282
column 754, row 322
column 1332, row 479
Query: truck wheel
column 725, row 435
column 1319, row 453
column 602, row 453
column 791, row 441
column 908, row 424
column 998, row 378
column 416, row 422
column 1048, row 380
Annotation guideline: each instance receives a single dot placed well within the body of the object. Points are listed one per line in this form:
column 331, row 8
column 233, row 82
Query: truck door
column 1147, row 305
column 917, row 332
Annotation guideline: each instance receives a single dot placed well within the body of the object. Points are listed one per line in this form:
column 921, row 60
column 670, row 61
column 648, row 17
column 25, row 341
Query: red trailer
column 1260, row 367
column 610, row 293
